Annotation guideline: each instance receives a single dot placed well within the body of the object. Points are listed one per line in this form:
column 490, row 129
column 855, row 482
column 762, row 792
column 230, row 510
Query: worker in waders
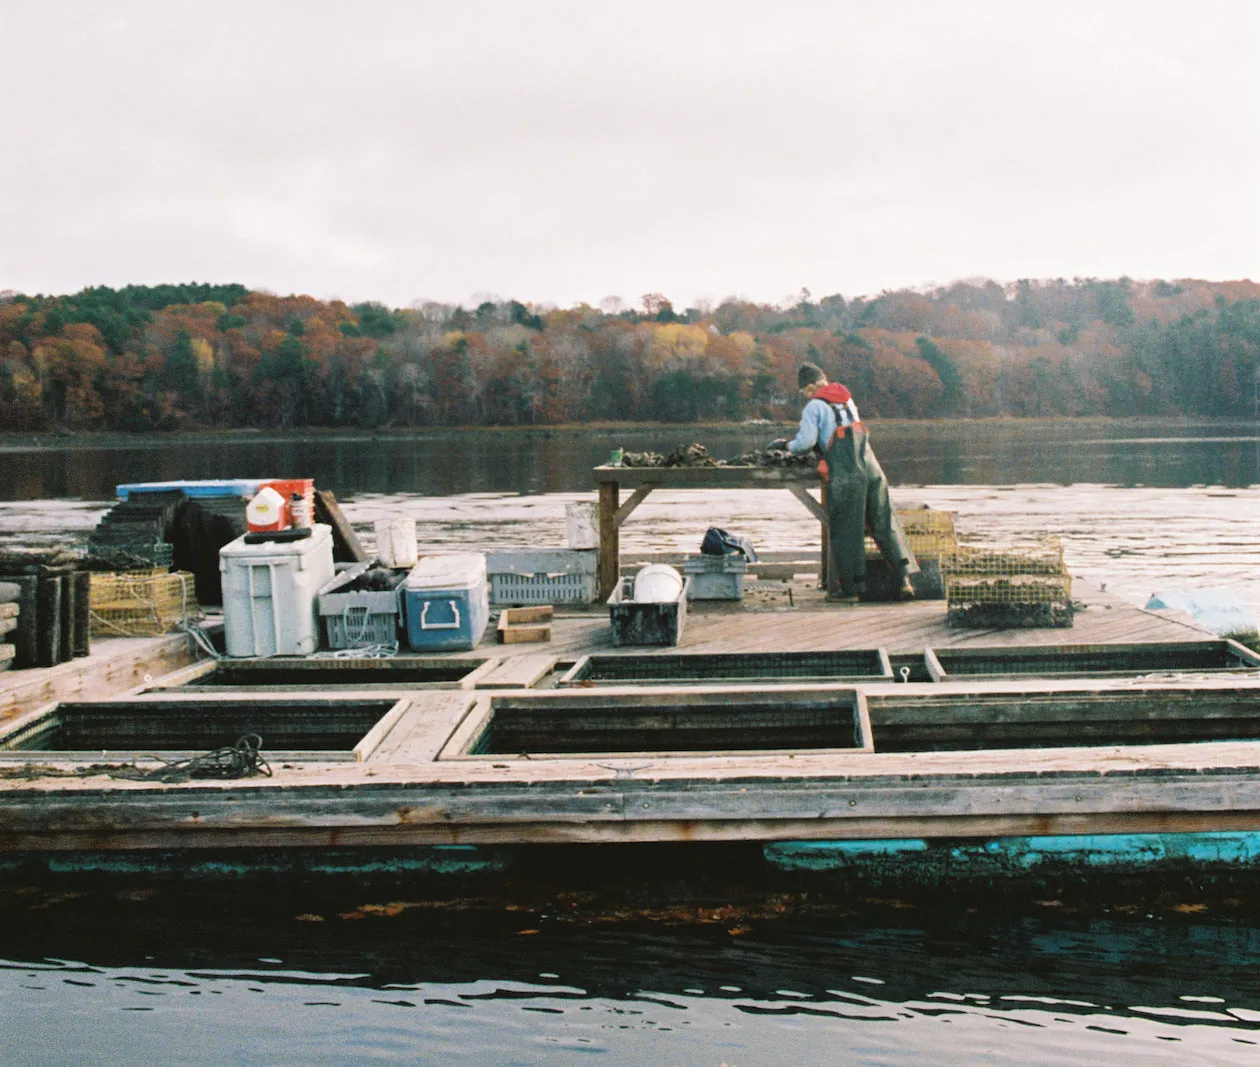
column 857, row 491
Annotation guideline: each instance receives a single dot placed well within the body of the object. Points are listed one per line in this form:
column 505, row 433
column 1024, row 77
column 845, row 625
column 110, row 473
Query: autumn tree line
column 191, row 356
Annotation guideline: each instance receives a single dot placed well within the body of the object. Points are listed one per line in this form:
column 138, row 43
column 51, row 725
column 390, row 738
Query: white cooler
column 271, row 593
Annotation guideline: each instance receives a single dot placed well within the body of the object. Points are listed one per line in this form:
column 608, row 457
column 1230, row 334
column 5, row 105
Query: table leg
column 609, row 539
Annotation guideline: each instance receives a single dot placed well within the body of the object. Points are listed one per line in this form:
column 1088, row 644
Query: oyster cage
column 136, row 604
column 930, row 533
column 1016, row 584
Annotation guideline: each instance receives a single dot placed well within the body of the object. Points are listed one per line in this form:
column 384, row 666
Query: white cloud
column 563, row 151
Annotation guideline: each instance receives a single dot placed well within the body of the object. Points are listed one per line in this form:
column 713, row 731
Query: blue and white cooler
column 446, row 602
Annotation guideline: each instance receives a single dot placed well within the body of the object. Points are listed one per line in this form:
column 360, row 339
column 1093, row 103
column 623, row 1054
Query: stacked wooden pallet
column 52, row 605
column 9, row 608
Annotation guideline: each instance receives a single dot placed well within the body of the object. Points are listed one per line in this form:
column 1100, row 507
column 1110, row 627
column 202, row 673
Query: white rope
column 381, row 651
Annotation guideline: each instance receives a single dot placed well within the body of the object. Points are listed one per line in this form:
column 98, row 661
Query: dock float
column 1147, row 753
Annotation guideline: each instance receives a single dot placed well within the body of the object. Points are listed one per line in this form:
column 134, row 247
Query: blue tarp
column 241, row 487
column 1214, row 609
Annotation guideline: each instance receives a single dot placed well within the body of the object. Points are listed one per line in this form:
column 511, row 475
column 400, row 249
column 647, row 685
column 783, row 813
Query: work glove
column 779, row 444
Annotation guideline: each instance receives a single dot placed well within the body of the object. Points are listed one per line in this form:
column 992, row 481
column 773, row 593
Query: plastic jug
column 266, row 512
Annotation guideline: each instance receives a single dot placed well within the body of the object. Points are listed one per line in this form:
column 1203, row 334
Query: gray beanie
column 808, row 374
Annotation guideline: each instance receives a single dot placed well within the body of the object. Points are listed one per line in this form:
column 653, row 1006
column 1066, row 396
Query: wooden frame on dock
column 310, row 710
column 668, row 712
column 613, row 514
column 329, row 675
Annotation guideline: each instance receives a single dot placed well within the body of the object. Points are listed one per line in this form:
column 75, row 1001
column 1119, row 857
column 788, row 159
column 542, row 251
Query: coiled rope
column 244, row 759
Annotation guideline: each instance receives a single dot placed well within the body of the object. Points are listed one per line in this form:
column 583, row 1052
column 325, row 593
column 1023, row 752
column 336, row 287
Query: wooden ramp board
column 114, row 665
column 518, row 672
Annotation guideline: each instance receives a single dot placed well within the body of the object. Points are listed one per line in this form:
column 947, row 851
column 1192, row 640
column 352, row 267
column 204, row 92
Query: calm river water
column 705, row 965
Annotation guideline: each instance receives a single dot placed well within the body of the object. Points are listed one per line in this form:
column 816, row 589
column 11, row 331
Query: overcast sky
column 559, row 152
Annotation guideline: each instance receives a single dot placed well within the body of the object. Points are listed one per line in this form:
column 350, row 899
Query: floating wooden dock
column 503, row 752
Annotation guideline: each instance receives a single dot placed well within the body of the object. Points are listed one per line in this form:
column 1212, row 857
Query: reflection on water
column 542, row 461
column 232, row 975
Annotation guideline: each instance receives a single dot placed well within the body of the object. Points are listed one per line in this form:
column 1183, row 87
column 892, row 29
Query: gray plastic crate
column 716, row 577
column 543, row 576
column 359, row 619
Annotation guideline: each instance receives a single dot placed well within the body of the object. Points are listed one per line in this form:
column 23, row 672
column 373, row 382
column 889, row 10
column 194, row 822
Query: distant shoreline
column 68, row 439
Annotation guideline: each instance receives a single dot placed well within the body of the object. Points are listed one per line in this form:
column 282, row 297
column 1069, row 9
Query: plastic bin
column 358, row 618
column 446, row 602
column 543, row 576
column 271, row 591
column 716, row 577
column 657, row 623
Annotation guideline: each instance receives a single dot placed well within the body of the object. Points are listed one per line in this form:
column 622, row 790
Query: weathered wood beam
column 609, row 539
column 807, row 498
column 630, row 832
column 346, row 545
column 636, row 498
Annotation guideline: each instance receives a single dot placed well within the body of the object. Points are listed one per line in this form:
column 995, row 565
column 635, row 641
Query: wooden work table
column 612, row 513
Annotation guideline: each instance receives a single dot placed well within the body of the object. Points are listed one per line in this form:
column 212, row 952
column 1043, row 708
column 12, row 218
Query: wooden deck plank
column 424, row 728
column 518, row 672
column 115, row 665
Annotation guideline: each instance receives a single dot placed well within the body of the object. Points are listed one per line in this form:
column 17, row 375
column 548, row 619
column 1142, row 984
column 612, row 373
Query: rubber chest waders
column 857, row 499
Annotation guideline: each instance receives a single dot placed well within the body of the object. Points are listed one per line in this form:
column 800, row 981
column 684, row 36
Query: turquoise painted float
column 929, row 861
column 446, row 861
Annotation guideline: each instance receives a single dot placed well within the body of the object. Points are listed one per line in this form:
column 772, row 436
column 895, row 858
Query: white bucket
column 657, row 583
column 579, row 520
column 266, row 511
column 396, row 542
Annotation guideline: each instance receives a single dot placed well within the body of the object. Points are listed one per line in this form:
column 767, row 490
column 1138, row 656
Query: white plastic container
column 580, row 525
column 396, row 542
column 271, row 593
column 267, row 511
column 657, row 583
column 446, row 602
